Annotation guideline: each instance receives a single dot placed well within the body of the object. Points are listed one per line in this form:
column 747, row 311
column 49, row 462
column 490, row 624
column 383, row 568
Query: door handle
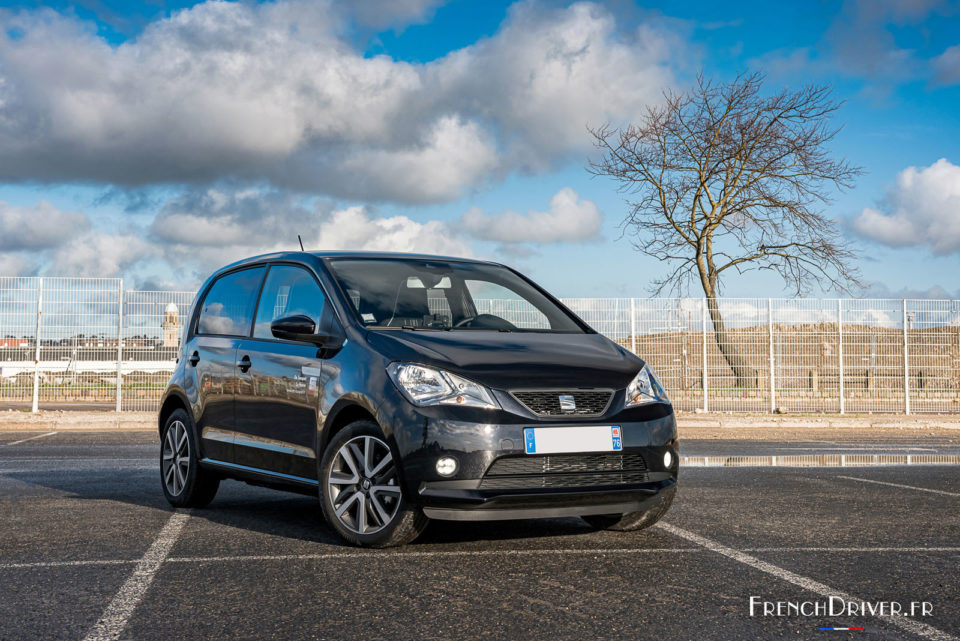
column 194, row 358
column 244, row 363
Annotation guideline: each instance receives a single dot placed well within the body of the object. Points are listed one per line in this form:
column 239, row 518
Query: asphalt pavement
column 90, row 550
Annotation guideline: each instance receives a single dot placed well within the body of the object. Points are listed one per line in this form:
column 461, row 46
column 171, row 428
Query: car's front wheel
column 632, row 521
column 360, row 490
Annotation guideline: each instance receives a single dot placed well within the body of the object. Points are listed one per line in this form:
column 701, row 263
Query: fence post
column 36, row 357
column 633, row 325
column 773, row 388
column 840, row 350
column 703, row 365
column 906, row 363
column 119, row 344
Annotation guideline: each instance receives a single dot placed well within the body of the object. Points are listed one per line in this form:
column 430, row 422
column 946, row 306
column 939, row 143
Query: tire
column 184, row 482
column 633, row 521
column 360, row 490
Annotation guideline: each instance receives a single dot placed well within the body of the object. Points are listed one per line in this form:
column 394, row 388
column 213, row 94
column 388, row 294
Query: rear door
column 226, row 316
column 279, row 398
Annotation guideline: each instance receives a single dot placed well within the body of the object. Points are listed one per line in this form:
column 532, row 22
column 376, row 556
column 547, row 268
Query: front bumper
column 423, row 435
column 480, row 505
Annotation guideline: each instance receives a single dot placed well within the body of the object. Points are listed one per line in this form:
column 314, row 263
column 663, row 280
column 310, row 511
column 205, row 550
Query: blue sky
column 157, row 140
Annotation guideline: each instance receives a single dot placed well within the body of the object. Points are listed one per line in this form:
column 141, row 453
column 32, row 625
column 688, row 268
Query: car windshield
column 446, row 295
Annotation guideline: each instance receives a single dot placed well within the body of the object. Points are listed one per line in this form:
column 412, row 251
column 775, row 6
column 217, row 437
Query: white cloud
column 16, row 265
column 569, row 219
column 201, row 231
column 353, row 228
column 273, row 92
column 380, row 14
column 547, row 75
column 947, row 66
column 39, row 226
column 454, row 154
column 99, row 254
column 923, row 208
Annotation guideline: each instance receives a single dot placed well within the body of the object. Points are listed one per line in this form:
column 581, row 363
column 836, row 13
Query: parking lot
column 90, row 550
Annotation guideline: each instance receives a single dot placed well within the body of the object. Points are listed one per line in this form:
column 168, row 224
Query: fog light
column 667, row 459
column 446, row 466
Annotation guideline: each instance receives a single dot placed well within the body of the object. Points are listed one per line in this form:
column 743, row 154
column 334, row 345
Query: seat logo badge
column 567, row 404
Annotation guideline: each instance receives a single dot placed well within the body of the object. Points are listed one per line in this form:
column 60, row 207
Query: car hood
column 517, row 360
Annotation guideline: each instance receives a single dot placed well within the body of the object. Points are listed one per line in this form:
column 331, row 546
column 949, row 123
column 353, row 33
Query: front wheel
column 185, row 483
column 360, row 490
column 632, row 521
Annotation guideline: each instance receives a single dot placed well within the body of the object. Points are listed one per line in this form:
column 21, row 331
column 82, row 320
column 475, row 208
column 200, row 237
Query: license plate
column 558, row 440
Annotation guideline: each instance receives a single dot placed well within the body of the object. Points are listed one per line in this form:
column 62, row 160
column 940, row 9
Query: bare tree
column 721, row 178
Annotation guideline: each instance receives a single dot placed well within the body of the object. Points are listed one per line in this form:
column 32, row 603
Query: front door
column 278, row 395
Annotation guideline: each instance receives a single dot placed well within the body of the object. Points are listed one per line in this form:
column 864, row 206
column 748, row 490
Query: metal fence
column 76, row 342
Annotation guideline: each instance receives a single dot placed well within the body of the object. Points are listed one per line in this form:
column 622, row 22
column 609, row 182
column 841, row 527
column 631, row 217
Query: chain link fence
column 89, row 343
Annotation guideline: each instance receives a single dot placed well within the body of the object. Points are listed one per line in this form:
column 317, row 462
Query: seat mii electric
column 401, row 388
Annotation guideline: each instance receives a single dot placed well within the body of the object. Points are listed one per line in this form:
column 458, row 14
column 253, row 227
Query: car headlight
column 424, row 385
column 645, row 388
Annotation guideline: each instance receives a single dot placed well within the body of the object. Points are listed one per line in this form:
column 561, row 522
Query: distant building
column 171, row 326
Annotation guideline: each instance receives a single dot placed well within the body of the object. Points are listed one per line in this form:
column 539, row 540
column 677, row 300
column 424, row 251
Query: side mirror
column 297, row 328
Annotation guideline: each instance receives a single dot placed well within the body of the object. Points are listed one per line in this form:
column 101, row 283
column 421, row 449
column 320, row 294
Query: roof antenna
column 301, row 242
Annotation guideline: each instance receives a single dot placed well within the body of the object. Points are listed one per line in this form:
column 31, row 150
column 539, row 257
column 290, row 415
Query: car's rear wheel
column 185, row 483
column 360, row 490
column 632, row 521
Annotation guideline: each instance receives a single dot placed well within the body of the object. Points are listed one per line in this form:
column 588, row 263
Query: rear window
column 228, row 307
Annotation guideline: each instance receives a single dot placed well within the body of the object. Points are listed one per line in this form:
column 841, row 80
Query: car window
column 503, row 302
column 228, row 306
column 288, row 291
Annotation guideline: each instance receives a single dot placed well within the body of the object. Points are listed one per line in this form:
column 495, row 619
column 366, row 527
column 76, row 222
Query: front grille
column 562, row 480
column 560, row 463
column 547, row 402
column 565, row 470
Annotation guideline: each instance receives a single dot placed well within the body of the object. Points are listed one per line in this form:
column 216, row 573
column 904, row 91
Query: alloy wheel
column 362, row 485
column 175, row 462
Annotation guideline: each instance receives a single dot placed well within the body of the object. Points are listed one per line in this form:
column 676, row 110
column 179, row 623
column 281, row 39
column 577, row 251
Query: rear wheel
column 185, row 483
column 360, row 490
column 632, row 521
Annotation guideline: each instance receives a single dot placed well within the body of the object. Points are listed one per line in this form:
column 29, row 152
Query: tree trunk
column 746, row 376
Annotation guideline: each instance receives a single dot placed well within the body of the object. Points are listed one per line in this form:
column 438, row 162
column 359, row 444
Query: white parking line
column 420, row 555
column 905, row 487
column 65, row 564
column 910, row 625
column 468, row 553
column 858, row 448
column 120, row 609
column 24, row 440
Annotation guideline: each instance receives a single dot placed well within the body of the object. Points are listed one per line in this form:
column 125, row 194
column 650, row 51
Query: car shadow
column 275, row 513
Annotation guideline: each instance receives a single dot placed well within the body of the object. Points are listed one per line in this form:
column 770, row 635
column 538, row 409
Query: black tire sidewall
column 193, row 469
column 405, row 512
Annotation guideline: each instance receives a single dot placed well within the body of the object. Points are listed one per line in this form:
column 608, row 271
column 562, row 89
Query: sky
column 157, row 141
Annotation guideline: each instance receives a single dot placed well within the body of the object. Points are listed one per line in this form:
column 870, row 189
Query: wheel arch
column 173, row 401
column 345, row 411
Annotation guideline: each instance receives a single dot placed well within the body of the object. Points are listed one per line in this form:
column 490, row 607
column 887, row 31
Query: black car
column 403, row 388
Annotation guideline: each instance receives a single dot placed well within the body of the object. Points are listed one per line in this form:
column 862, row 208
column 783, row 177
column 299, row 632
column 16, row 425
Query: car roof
column 301, row 255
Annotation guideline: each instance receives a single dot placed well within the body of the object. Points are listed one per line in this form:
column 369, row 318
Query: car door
column 226, row 316
column 277, row 407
